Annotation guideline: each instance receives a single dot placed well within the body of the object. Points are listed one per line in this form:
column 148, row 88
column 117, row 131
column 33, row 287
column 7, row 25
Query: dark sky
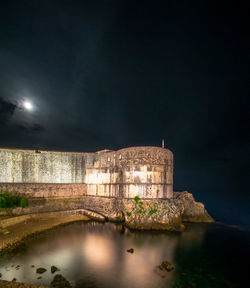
column 113, row 74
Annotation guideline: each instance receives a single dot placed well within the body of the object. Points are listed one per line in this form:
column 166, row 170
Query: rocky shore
column 147, row 214
column 167, row 214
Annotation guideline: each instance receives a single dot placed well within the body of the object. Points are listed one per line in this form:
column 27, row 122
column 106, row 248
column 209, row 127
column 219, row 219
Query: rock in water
column 165, row 265
column 60, row 282
column 41, row 270
column 54, row 269
column 131, row 250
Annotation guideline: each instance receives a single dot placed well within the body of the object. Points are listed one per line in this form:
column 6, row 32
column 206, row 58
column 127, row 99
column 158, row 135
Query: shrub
column 8, row 200
column 23, row 202
column 137, row 199
column 2, row 202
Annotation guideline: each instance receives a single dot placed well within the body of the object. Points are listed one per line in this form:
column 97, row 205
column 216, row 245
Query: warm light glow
column 98, row 251
column 27, row 105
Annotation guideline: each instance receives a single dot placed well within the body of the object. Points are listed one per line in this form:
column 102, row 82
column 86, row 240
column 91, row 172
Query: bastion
column 146, row 172
column 133, row 184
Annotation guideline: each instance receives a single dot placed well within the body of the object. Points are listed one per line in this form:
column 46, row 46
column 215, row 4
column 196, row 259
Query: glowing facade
column 126, row 173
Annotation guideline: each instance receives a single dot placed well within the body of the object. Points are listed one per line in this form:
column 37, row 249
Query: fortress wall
column 146, row 172
column 27, row 166
column 42, row 190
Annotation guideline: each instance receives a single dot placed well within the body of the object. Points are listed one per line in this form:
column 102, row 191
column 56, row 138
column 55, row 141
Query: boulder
column 165, row 265
column 54, row 269
column 192, row 211
column 60, row 282
column 41, row 270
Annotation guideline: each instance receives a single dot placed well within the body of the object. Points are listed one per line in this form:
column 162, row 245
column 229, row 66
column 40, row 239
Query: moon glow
column 27, row 105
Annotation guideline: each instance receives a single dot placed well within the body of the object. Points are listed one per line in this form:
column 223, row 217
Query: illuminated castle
column 143, row 171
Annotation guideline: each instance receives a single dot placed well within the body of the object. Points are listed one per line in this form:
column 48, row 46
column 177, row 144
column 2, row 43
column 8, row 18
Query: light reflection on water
column 94, row 255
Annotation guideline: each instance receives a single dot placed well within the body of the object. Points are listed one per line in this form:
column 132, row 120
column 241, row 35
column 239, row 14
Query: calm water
column 94, row 255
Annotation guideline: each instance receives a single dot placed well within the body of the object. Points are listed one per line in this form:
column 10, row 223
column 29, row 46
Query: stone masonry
column 146, row 172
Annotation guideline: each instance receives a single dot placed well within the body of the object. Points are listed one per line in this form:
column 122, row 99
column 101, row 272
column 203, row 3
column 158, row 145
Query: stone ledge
column 19, row 219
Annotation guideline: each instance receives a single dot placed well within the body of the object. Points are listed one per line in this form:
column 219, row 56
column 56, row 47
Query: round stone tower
column 146, row 172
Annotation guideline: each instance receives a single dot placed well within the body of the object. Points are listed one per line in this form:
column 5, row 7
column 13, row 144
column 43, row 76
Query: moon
column 27, row 105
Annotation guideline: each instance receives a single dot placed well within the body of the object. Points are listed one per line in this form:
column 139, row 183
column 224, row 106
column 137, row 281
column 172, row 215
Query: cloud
column 9, row 123
column 7, row 109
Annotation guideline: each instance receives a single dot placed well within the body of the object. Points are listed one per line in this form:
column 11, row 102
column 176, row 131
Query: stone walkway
column 12, row 230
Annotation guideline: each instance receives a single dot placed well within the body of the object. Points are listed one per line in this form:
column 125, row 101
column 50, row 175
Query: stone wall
column 42, row 190
column 30, row 166
column 146, row 172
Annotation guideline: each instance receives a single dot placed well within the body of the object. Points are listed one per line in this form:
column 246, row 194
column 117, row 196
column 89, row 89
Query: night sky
column 113, row 74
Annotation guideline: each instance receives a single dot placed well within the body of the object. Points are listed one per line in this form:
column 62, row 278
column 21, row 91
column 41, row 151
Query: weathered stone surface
column 131, row 250
column 28, row 166
column 143, row 171
column 60, row 282
column 47, row 190
column 192, row 211
column 153, row 215
column 126, row 173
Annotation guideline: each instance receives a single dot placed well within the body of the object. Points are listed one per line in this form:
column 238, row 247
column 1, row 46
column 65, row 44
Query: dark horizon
column 113, row 74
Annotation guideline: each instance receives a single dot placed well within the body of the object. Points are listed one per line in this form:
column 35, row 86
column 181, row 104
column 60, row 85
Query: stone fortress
column 126, row 173
column 105, row 182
